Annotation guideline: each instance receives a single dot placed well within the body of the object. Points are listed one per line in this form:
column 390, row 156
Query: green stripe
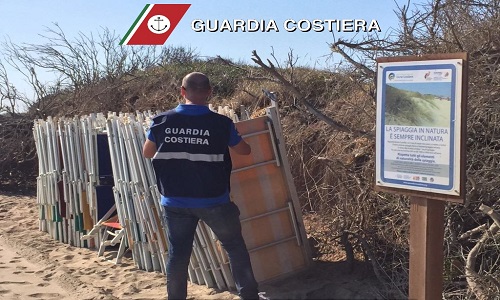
column 85, row 242
column 135, row 23
column 82, row 228
column 42, row 212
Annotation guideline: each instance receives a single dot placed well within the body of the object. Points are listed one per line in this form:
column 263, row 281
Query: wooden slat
column 259, row 190
column 277, row 261
column 262, row 150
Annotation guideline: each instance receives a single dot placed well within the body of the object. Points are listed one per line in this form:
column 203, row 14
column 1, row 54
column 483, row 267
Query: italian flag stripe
column 136, row 24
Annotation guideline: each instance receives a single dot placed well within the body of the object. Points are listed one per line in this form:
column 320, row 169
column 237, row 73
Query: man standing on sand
column 189, row 147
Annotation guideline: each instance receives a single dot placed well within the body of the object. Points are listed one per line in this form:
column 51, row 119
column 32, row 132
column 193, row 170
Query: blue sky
column 23, row 21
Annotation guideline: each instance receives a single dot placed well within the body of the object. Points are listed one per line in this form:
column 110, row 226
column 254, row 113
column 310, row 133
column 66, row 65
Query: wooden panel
column 251, row 188
column 262, row 149
column 277, row 261
column 253, row 125
column 261, row 191
column 270, row 228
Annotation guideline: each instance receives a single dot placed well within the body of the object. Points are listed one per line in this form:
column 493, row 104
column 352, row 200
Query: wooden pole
column 426, row 248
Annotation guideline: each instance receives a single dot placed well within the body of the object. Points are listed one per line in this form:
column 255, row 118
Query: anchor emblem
column 158, row 24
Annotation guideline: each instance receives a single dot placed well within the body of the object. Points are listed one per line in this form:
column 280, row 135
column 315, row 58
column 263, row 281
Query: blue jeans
column 224, row 221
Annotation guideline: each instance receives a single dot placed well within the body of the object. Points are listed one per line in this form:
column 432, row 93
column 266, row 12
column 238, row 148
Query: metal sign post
column 421, row 133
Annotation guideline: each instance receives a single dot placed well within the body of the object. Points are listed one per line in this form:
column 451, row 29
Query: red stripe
column 144, row 36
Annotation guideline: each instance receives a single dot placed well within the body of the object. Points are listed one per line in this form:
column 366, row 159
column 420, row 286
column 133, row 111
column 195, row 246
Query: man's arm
column 242, row 148
column 149, row 149
column 237, row 143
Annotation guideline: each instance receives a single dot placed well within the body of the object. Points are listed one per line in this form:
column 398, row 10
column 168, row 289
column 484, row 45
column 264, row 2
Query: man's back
column 192, row 158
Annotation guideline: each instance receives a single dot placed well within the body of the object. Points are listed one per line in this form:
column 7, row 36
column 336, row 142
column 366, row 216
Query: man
column 189, row 147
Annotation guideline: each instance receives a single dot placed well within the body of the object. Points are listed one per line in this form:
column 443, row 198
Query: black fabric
column 183, row 177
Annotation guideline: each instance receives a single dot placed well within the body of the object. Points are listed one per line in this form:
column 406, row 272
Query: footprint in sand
column 102, row 272
column 147, row 287
column 45, row 295
column 85, row 272
column 13, row 282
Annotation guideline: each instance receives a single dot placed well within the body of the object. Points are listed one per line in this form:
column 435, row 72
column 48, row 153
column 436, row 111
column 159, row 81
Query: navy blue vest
column 193, row 156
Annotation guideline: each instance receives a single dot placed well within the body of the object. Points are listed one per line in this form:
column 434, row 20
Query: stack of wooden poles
column 90, row 168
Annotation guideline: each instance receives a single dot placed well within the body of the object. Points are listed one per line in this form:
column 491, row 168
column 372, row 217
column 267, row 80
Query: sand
column 34, row 266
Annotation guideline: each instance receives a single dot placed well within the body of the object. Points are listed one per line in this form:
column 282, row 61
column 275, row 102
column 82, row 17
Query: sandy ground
column 34, row 266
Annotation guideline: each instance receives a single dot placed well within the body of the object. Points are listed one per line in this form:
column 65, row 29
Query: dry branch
column 470, row 233
column 290, row 87
column 473, row 278
column 490, row 212
column 377, row 269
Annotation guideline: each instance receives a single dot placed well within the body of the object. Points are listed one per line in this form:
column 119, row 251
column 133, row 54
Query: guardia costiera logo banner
column 154, row 24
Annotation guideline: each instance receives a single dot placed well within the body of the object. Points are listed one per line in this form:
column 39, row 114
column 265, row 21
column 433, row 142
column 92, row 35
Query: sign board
column 419, row 125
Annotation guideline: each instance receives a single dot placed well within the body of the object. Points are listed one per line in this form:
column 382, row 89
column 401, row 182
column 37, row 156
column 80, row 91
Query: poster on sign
column 419, row 125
